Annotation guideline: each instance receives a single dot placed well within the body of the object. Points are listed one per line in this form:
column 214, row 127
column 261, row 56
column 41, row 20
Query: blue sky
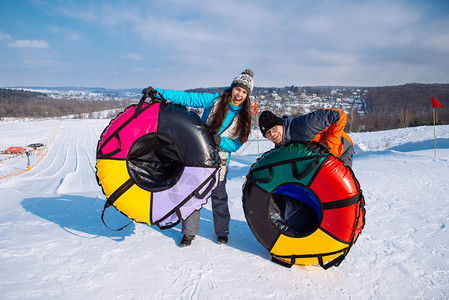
column 181, row 44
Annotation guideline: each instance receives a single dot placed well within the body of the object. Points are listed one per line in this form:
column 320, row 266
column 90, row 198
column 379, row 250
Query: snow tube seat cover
column 303, row 207
column 157, row 163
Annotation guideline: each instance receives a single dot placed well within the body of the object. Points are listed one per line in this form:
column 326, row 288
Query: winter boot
column 223, row 239
column 187, row 240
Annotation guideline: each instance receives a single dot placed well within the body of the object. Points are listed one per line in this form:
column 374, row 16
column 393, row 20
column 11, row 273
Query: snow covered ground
column 54, row 245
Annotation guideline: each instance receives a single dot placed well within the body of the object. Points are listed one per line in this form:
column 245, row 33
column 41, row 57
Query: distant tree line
column 388, row 107
column 401, row 106
column 20, row 104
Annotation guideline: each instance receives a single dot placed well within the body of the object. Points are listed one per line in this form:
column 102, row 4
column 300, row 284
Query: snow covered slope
column 54, row 245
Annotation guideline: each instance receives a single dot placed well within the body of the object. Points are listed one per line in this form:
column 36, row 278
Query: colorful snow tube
column 305, row 208
column 157, row 163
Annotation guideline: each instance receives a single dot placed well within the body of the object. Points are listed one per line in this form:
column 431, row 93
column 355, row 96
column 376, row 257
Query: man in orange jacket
column 322, row 130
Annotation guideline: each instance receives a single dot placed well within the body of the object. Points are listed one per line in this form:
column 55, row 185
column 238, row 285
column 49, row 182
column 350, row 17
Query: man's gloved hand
column 150, row 92
column 318, row 147
column 217, row 139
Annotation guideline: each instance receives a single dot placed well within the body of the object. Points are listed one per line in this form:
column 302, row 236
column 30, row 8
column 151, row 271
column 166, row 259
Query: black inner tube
column 155, row 162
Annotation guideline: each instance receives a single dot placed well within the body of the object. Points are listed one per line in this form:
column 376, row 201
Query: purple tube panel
column 192, row 177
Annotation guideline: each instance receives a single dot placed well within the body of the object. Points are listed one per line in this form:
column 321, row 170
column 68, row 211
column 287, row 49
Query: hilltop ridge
column 368, row 108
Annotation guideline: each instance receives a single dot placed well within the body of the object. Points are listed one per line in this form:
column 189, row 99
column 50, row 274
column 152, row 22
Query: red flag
column 435, row 103
column 255, row 106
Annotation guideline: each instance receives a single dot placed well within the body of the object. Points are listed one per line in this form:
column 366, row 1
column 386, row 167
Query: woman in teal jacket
column 228, row 115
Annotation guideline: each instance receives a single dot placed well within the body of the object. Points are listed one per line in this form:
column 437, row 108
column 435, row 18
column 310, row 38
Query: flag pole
column 257, row 133
column 435, row 103
column 256, row 110
column 434, row 135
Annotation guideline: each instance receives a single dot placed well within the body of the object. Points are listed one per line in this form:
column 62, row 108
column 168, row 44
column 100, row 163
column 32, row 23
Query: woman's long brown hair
column 243, row 127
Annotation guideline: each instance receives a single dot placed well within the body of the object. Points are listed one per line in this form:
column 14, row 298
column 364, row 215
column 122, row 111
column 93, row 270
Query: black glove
column 150, row 92
column 217, row 139
column 318, row 147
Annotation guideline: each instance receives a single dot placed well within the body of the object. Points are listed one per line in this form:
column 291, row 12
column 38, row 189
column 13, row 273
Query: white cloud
column 32, row 44
column 67, row 34
column 134, row 56
column 37, row 62
column 4, row 36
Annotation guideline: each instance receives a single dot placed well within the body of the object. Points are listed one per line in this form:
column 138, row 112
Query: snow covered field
column 54, row 245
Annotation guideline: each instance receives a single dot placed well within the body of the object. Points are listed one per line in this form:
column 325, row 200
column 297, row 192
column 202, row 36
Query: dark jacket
column 323, row 125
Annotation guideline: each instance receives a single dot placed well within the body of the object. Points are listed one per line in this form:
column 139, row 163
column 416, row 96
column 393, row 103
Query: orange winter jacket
column 332, row 135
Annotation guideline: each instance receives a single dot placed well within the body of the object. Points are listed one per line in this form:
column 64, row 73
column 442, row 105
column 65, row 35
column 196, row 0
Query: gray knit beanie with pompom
column 244, row 80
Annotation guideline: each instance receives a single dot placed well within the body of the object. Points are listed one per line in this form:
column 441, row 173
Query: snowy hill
column 54, row 245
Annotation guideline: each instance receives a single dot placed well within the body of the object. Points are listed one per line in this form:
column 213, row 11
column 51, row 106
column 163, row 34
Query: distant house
column 15, row 150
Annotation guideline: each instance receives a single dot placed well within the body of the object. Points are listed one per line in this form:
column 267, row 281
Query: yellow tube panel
column 136, row 204
column 318, row 242
column 111, row 174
